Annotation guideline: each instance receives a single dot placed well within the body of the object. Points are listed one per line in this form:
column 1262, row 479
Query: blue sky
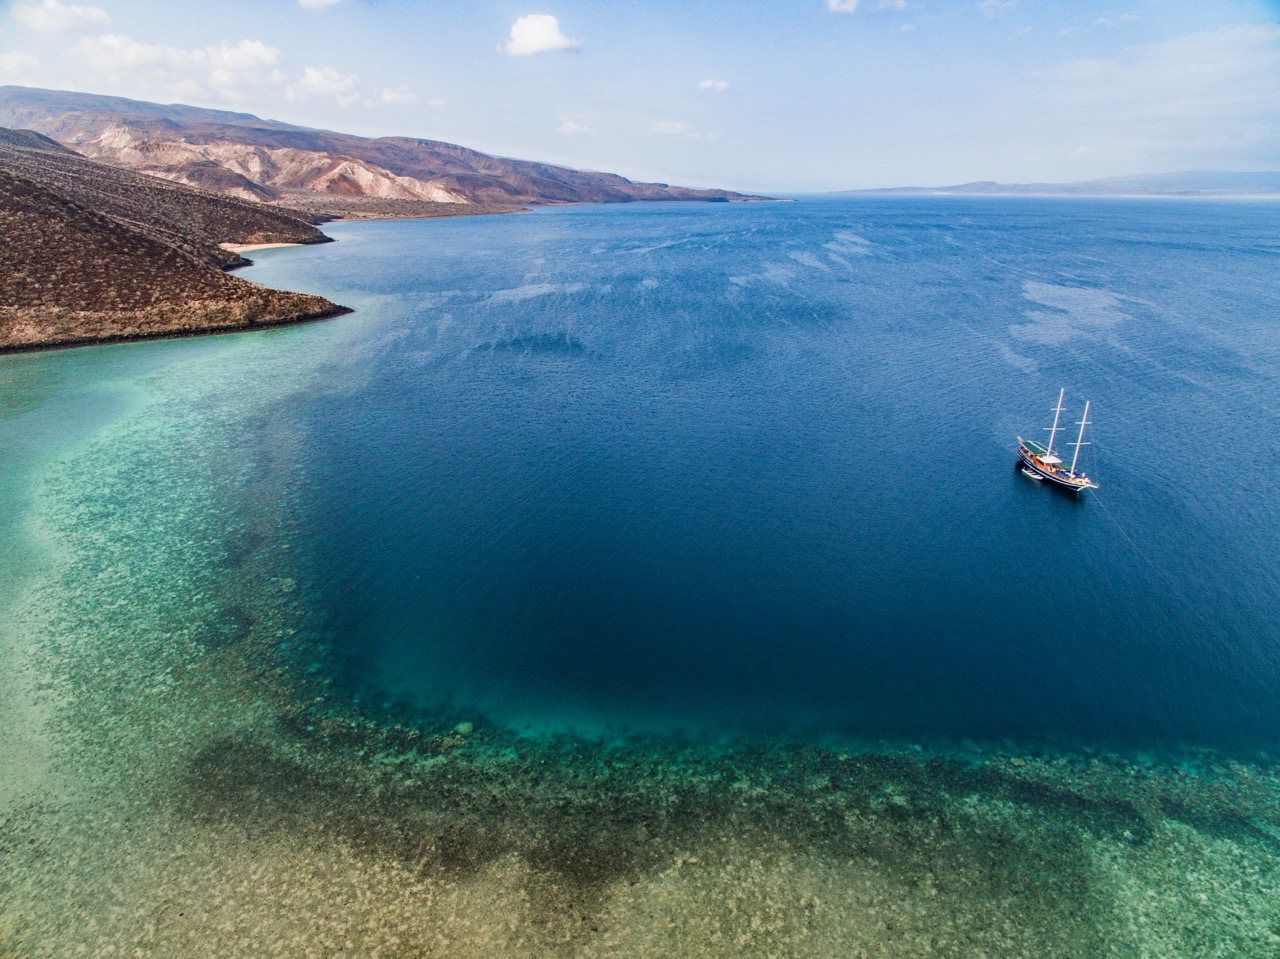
column 791, row 95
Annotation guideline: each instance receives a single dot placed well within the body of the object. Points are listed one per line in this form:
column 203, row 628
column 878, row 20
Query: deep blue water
column 738, row 466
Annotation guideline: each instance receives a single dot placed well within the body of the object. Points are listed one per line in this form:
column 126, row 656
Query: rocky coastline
column 101, row 255
column 201, row 319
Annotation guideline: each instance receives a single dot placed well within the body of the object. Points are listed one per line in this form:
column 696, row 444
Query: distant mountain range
column 1206, row 183
column 265, row 160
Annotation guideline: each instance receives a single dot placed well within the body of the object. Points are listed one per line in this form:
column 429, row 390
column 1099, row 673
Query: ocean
column 658, row 466
column 607, row 544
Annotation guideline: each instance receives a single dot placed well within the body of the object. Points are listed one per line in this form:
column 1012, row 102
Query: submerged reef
column 195, row 781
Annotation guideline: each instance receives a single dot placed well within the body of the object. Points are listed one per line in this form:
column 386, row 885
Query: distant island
column 1196, row 183
column 123, row 216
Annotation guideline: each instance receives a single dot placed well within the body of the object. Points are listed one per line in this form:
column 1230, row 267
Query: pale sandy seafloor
column 178, row 780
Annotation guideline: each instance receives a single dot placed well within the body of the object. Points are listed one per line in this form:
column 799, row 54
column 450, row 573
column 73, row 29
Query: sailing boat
column 1041, row 463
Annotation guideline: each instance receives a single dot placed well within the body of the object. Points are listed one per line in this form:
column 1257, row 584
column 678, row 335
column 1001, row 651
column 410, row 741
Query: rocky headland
column 97, row 254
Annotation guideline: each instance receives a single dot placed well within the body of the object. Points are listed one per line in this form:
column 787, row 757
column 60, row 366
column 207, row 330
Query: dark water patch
column 593, row 842
column 247, row 786
column 1116, row 818
column 1233, row 820
column 233, row 624
column 243, row 783
column 239, row 548
column 554, row 344
column 459, row 848
column 449, row 820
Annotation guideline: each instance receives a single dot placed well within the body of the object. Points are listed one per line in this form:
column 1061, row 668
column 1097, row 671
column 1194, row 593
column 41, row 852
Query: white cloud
column 537, row 33
column 227, row 64
column 399, row 94
column 316, row 4
column 850, row 6
column 1202, row 99
column 1229, row 68
column 324, row 81
column 1114, row 21
column 54, row 17
column 225, row 71
column 112, row 53
column 16, row 63
column 571, row 126
column 243, row 56
column 993, row 8
column 670, row 128
column 713, row 85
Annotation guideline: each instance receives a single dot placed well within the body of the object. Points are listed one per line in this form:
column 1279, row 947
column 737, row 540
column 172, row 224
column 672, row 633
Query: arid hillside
column 242, row 155
column 195, row 221
column 95, row 254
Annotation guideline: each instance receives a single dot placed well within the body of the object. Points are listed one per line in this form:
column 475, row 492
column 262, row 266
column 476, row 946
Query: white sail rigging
column 1080, row 439
column 1053, row 430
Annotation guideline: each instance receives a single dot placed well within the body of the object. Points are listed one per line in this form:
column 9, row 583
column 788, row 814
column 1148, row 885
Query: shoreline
column 328, row 314
column 239, row 249
column 243, row 248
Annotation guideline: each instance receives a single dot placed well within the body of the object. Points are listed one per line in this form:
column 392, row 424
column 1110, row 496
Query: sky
column 761, row 95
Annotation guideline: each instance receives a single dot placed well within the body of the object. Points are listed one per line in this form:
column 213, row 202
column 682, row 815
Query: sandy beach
column 243, row 248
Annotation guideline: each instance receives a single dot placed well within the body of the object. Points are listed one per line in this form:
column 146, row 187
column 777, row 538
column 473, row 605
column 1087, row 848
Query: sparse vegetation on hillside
column 192, row 220
column 376, row 208
column 96, row 254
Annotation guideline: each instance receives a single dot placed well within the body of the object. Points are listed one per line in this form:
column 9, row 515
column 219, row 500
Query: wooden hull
column 1077, row 484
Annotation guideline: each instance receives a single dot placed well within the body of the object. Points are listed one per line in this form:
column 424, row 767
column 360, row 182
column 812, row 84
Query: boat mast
column 1080, row 439
column 1056, row 413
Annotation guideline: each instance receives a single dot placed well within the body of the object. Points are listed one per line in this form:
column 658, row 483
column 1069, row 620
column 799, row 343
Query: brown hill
column 94, row 253
column 30, row 140
column 242, row 155
column 195, row 221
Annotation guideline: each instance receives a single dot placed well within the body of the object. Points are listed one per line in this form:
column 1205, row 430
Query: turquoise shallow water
column 654, row 467
column 278, row 608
